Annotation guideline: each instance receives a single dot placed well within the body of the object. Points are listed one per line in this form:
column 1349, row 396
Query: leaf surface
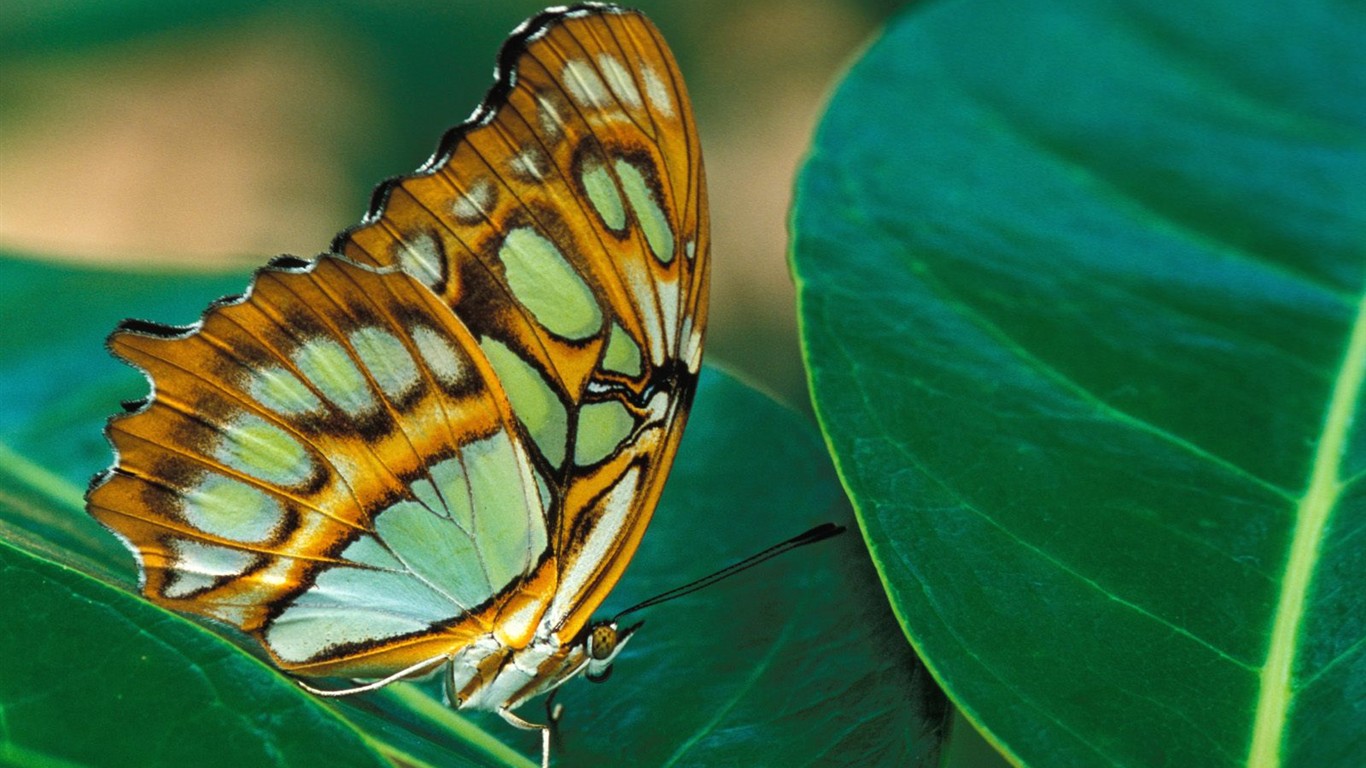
column 797, row 662
column 1081, row 290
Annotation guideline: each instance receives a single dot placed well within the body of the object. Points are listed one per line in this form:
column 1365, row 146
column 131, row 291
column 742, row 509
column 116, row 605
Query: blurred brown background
column 159, row 134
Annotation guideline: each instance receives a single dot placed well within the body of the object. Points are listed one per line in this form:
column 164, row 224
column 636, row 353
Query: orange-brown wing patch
column 298, row 446
column 567, row 223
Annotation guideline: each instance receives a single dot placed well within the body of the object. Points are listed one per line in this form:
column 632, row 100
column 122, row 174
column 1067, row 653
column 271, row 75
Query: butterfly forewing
column 457, row 425
column 567, row 223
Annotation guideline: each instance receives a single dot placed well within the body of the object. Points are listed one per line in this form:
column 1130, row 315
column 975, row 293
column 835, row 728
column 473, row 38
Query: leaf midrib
column 1311, row 519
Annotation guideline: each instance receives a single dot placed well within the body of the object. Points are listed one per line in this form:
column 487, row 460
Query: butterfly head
column 603, row 641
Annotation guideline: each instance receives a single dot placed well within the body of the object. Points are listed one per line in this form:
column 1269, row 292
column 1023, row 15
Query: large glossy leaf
column 1082, row 300
column 796, row 662
column 91, row 676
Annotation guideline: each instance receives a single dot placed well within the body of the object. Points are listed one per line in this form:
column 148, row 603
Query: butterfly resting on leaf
column 437, row 446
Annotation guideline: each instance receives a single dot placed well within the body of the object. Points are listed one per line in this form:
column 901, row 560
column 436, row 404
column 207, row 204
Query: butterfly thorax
column 490, row 675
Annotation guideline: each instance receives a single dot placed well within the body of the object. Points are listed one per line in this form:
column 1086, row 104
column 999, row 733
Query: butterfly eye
column 602, row 641
column 602, row 646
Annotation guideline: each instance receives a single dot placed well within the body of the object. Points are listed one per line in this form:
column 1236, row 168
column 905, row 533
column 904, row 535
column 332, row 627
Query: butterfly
column 437, row 445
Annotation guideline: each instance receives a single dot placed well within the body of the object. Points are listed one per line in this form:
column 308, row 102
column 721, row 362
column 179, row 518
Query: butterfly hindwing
column 315, row 464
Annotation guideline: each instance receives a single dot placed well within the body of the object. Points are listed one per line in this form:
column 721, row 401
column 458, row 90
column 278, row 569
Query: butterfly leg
column 518, row 722
column 553, row 711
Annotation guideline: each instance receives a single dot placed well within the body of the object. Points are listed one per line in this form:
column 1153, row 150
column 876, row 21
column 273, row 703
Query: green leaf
column 796, row 662
column 93, row 676
column 1081, row 289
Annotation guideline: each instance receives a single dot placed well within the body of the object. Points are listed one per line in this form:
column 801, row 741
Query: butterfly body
column 439, row 444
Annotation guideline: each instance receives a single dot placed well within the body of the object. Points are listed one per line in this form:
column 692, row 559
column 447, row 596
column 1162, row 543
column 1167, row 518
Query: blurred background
column 212, row 136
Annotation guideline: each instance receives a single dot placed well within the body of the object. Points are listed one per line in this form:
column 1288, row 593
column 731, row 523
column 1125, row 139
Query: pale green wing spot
column 657, row 92
column 367, row 550
column 509, row 525
column 620, row 80
column 436, row 551
column 548, row 286
column 613, row 511
column 622, row 354
column 326, row 364
column 530, row 163
column 231, row 509
column 449, row 477
column 259, row 449
column 543, row 489
column 652, row 220
column 347, row 604
column 602, row 193
column 643, row 286
column 472, row 206
column 441, row 358
column 669, row 298
column 388, row 361
column 532, row 400
column 197, row 565
column 584, row 84
column 282, row 392
column 602, row 427
column 419, row 256
column 692, row 339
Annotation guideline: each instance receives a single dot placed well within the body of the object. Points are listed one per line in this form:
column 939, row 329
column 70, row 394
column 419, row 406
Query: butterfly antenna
column 819, row 533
